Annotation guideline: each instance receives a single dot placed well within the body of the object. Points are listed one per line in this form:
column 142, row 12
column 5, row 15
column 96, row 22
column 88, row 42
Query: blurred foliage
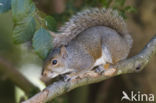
column 39, row 43
column 7, row 48
column 25, row 17
column 5, row 5
column 71, row 9
column 23, row 12
column 50, row 23
column 9, row 51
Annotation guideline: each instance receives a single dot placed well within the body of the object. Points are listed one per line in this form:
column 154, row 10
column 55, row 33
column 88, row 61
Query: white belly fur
column 106, row 57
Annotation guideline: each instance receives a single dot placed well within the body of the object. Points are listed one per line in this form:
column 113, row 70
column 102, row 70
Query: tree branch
column 16, row 77
column 134, row 64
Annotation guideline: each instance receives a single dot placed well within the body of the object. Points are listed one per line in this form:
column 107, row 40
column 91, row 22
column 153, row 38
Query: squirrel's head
column 55, row 64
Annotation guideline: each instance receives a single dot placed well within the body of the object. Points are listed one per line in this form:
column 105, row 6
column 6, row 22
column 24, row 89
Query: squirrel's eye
column 54, row 62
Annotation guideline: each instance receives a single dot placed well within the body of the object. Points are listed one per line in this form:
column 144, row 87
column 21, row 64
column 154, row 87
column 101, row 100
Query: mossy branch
column 131, row 65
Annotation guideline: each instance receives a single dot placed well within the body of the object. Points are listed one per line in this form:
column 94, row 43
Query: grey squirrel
column 90, row 38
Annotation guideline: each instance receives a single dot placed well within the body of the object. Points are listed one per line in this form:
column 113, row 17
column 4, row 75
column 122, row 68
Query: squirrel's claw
column 71, row 76
column 106, row 69
column 66, row 78
column 99, row 69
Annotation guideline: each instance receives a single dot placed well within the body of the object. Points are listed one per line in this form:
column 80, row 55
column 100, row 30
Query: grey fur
column 92, row 37
column 90, row 18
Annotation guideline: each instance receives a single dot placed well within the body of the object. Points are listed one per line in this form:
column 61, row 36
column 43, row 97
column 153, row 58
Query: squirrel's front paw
column 71, row 76
column 66, row 77
column 100, row 69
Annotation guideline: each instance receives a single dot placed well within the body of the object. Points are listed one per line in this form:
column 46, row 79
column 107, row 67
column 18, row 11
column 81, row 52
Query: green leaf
column 42, row 42
column 123, row 14
column 120, row 2
column 5, row 5
column 130, row 9
column 24, row 30
column 50, row 22
column 106, row 3
column 23, row 12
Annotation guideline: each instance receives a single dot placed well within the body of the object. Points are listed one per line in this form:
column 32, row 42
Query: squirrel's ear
column 63, row 51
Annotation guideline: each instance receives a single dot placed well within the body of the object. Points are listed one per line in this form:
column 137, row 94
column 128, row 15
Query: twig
column 134, row 64
column 16, row 77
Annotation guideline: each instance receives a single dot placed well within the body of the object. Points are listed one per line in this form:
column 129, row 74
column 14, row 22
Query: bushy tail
column 89, row 18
